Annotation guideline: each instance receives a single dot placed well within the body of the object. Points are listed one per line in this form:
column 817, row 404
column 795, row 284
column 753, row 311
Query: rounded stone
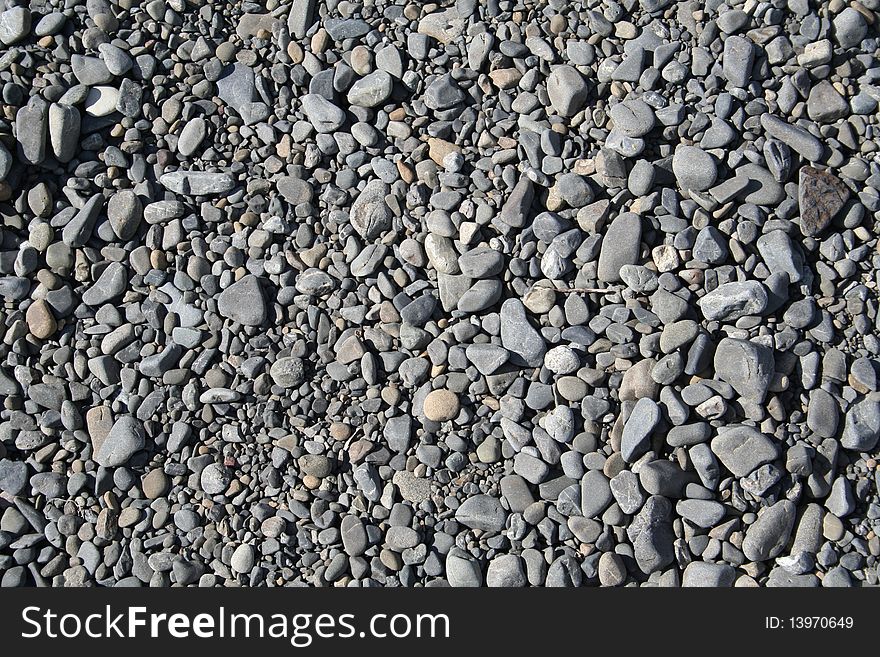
column 214, row 479
column 242, row 560
column 694, row 168
column 154, row 484
column 288, row 372
column 40, row 320
column 441, row 405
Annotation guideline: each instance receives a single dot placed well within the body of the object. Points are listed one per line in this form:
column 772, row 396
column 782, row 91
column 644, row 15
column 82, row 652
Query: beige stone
column 40, row 320
column 441, row 405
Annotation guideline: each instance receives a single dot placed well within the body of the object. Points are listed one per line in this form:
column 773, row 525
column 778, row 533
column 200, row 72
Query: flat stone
column 708, row 575
column 198, row 183
column 124, row 440
column 101, row 101
column 109, row 285
column 125, row 211
column 633, row 117
column 64, row 125
column 31, row 129
column 79, row 229
column 767, row 536
column 340, row 29
column 243, row 302
column 761, row 187
column 748, row 367
column 15, row 25
column 444, row 26
column 821, row 196
column 742, row 449
column 90, row 71
column 734, row 300
column 214, row 479
column 482, row 512
column 288, row 372
column 823, row 413
column 636, row 437
column 462, row 570
column 295, row 190
column 738, row 58
column 243, row 558
column 372, row 90
column 40, row 320
column 849, row 28
column 236, row 87
column 781, row 255
column 702, row 513
column 324, row 116
column 506, row 571
column 621, row 246
column 526, row 345
column 651, row 535
column 443, row 93
column 13, row 476
column 301, row 17
column 825, row 104
column 191, row 137
column 515, row 210
column 567, row 90
column 595, row 494
column 861, row 429
column 694, row 168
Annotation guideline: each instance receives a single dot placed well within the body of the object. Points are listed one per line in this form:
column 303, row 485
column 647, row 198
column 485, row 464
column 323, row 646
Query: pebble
column 635, row 440
column 821, row 196
column 767, row 536
column 567, row 90
column 372, row 90
column 125, row 438
column 634, row 118
column 705, row 574
column 861, row 429
column 40, row 320
column 15, row 25
column 288, row 372
column 694, row 168
column 324, row 116
column 526, row 345
column 243, row 302
column 734, row 300
column 370, row 214
column 741, row 449
column 441, row 405
column 794, row 136
column 620, row 246
column 197, row 183
column 124, row 212
column 482, row 512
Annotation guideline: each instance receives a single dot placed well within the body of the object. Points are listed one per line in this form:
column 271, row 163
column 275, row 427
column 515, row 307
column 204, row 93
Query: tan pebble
column 154, row 484
column 440, row 148
column 361, row 60
column 340, row 431
column 505, row 78
column 40, row 320
column 295, row 52
column 441, row 405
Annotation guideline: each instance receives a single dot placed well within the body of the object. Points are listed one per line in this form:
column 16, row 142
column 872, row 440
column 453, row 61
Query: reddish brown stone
column 821, row 195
